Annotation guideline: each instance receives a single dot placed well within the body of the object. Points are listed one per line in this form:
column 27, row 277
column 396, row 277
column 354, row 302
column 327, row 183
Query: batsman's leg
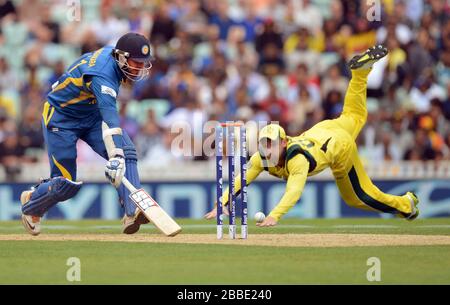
column 357, row 190
column 37, row 201
column 61, row 146
column 133, row 217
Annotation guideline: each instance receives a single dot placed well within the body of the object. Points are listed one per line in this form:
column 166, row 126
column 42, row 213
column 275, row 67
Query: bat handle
column 128, row 185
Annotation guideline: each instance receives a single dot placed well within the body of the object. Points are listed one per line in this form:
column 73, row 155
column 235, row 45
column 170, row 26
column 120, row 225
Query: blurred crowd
column 260, row 60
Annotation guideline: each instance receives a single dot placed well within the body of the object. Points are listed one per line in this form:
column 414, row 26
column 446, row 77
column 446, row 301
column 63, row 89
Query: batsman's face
column 135, row 67
column 136, row 70
column 272, row 150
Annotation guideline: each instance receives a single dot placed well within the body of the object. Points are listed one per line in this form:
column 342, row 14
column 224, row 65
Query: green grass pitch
column 44, row 262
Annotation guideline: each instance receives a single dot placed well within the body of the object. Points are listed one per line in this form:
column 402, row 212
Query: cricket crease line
column 267, row 240
column 210, row 226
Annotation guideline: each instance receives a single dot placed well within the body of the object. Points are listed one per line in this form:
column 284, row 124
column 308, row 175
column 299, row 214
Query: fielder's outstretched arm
column 254, row 168
column 298, row 172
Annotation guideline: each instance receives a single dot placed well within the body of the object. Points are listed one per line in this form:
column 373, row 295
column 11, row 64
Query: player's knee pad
column 48, row 193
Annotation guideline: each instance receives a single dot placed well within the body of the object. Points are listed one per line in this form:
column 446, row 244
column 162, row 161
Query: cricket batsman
column 330, row 143
column 80, row 101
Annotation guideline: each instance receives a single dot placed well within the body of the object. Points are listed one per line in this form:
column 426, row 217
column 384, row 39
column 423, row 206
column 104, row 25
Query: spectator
column 193, row 19
column 251, row 22
column 8, row 77
column 7, row 8
column 301, row 80
column 424, row 92
column 333, row 80
column 302, row 54
column 58, row 70
column 138, row 21
column 127, row 123
column 276, row 107
column 256, row 84
column 401, row 136
column 30, row 129
column 271, row 62
column 149, row 136
column 252, row 60
column 307, row 15
column 220, row 18
column 333, row 104
column 301, row 111
column 418, row 57
column 164, row 28
column 443, row 69
column 12, row 152
column 108, row 28
column 422, row 148
column 268, row 36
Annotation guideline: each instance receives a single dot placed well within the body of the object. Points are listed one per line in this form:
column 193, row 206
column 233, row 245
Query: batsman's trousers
column 61, row 134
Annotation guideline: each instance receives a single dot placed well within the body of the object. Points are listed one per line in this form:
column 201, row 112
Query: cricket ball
column 259, row 217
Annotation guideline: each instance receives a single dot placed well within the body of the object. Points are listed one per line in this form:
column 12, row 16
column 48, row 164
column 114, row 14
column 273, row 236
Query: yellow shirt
column 304, row 157
column 315, row 43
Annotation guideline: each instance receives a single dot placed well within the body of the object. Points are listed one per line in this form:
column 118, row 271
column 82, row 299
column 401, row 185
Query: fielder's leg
column 354, row 114
column 357, row 190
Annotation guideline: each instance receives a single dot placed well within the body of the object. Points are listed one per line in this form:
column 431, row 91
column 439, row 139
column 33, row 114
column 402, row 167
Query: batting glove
column 115, row 170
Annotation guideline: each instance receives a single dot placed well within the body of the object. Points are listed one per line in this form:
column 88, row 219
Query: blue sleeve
column 105, row 94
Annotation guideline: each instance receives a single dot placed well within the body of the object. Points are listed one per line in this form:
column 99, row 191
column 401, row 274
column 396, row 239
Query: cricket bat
column 143, row 201
column 152, row 210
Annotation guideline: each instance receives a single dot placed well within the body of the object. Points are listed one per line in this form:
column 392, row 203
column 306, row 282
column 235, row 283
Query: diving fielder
column 80, row 101
column 330, row 143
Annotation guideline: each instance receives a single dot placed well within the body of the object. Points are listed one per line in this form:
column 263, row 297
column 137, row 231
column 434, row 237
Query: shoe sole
column 371, row 56
column 414, row 206
column 133, row 228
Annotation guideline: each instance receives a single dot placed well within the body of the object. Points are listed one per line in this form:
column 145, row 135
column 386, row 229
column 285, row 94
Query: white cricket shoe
column 132, row 224
column 31, row 223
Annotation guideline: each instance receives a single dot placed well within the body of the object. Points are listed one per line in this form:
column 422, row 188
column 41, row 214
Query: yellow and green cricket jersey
column 330, row 143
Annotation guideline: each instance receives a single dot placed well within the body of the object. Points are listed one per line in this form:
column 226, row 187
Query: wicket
column 231, row 154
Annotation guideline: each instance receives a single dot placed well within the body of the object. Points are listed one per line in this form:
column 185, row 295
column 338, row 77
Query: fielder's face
column 272, row 150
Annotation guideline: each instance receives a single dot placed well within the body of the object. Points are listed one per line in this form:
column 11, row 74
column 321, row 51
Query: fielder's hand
column 267, row 222
column 213, row 213
column 115, row 170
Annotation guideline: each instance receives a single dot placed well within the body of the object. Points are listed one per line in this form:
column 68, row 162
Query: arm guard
column 108, row 134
